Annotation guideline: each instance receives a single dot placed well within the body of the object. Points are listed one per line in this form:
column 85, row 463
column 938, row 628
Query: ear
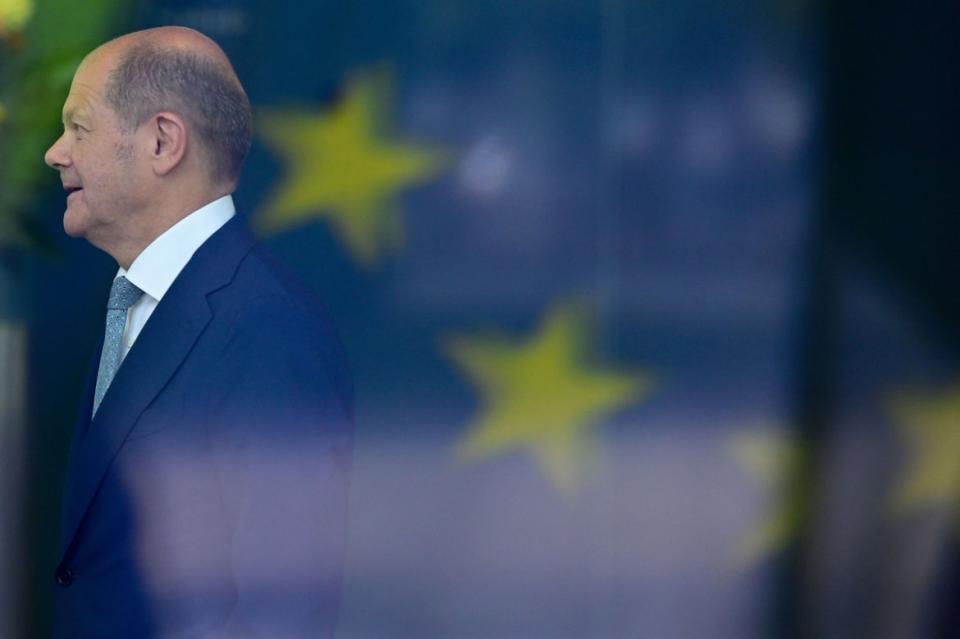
column 167, row 136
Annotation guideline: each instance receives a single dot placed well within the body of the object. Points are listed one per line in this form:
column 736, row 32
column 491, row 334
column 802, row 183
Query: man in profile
column 207, row 482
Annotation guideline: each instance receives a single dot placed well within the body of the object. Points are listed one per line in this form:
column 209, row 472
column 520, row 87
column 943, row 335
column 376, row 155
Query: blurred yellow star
column 341, row 166
column 776, row 459
column 929, row 424
column 14, row 15
column 541, row 396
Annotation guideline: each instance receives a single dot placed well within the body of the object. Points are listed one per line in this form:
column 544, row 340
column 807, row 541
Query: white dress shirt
column 160, row 263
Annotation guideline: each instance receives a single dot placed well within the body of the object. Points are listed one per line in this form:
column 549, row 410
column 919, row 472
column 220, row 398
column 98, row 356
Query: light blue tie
column 123, row 295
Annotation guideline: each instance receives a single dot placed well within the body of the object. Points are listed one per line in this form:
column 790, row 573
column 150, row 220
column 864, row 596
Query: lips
column 71, row 190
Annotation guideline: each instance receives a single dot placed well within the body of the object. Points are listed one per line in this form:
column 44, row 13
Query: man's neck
column 126, row 252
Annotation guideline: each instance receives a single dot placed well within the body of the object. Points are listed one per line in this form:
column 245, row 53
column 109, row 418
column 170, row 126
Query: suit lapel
column 163, row 344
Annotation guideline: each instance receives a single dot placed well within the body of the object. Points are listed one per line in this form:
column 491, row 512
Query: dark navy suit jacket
column 208, row 496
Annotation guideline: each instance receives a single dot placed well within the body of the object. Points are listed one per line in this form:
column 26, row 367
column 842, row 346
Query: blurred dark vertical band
column 13, row 360
column 892, row 85
column 888, row 199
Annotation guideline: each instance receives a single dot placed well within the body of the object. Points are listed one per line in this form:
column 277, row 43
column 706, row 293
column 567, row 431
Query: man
column 206, row 488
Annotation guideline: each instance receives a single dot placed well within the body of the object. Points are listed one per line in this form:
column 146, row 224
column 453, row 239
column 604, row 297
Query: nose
column 57, row 156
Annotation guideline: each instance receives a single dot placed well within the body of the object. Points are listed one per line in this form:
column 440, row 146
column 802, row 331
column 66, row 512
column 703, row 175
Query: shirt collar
column 155, row 269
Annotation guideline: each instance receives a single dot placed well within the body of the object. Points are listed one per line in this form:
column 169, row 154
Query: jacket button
column 64, row 578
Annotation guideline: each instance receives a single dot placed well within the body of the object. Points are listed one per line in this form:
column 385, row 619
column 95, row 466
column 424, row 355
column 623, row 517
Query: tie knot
column 123, row 294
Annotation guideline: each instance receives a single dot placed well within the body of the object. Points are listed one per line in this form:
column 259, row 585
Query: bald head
column 173, row 37
column 182, row 71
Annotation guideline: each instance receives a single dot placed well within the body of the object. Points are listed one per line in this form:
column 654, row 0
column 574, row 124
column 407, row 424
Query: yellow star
column 14, row 15
column 930, row 425
column 340, row 166
column 541, row 396
column 776, row 459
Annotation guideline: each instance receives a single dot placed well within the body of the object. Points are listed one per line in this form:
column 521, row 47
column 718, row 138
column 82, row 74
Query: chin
column 73, row 224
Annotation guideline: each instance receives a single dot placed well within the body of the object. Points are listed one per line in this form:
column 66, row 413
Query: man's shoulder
column 264, row 287
column 270, row 323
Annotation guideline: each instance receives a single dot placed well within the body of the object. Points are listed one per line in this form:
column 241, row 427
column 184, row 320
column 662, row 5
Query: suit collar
column 157, row 266
column 165, row 341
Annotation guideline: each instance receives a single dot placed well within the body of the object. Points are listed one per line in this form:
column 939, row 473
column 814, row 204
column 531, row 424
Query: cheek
column 95, row 172
column 123, row 153
column 108, row 173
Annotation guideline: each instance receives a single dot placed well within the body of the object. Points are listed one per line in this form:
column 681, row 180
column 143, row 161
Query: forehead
column 89, row 81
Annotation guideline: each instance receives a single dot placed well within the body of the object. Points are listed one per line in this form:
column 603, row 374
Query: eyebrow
column 70, row 114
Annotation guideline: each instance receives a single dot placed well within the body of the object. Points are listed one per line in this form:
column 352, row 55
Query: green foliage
column 36, row 66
